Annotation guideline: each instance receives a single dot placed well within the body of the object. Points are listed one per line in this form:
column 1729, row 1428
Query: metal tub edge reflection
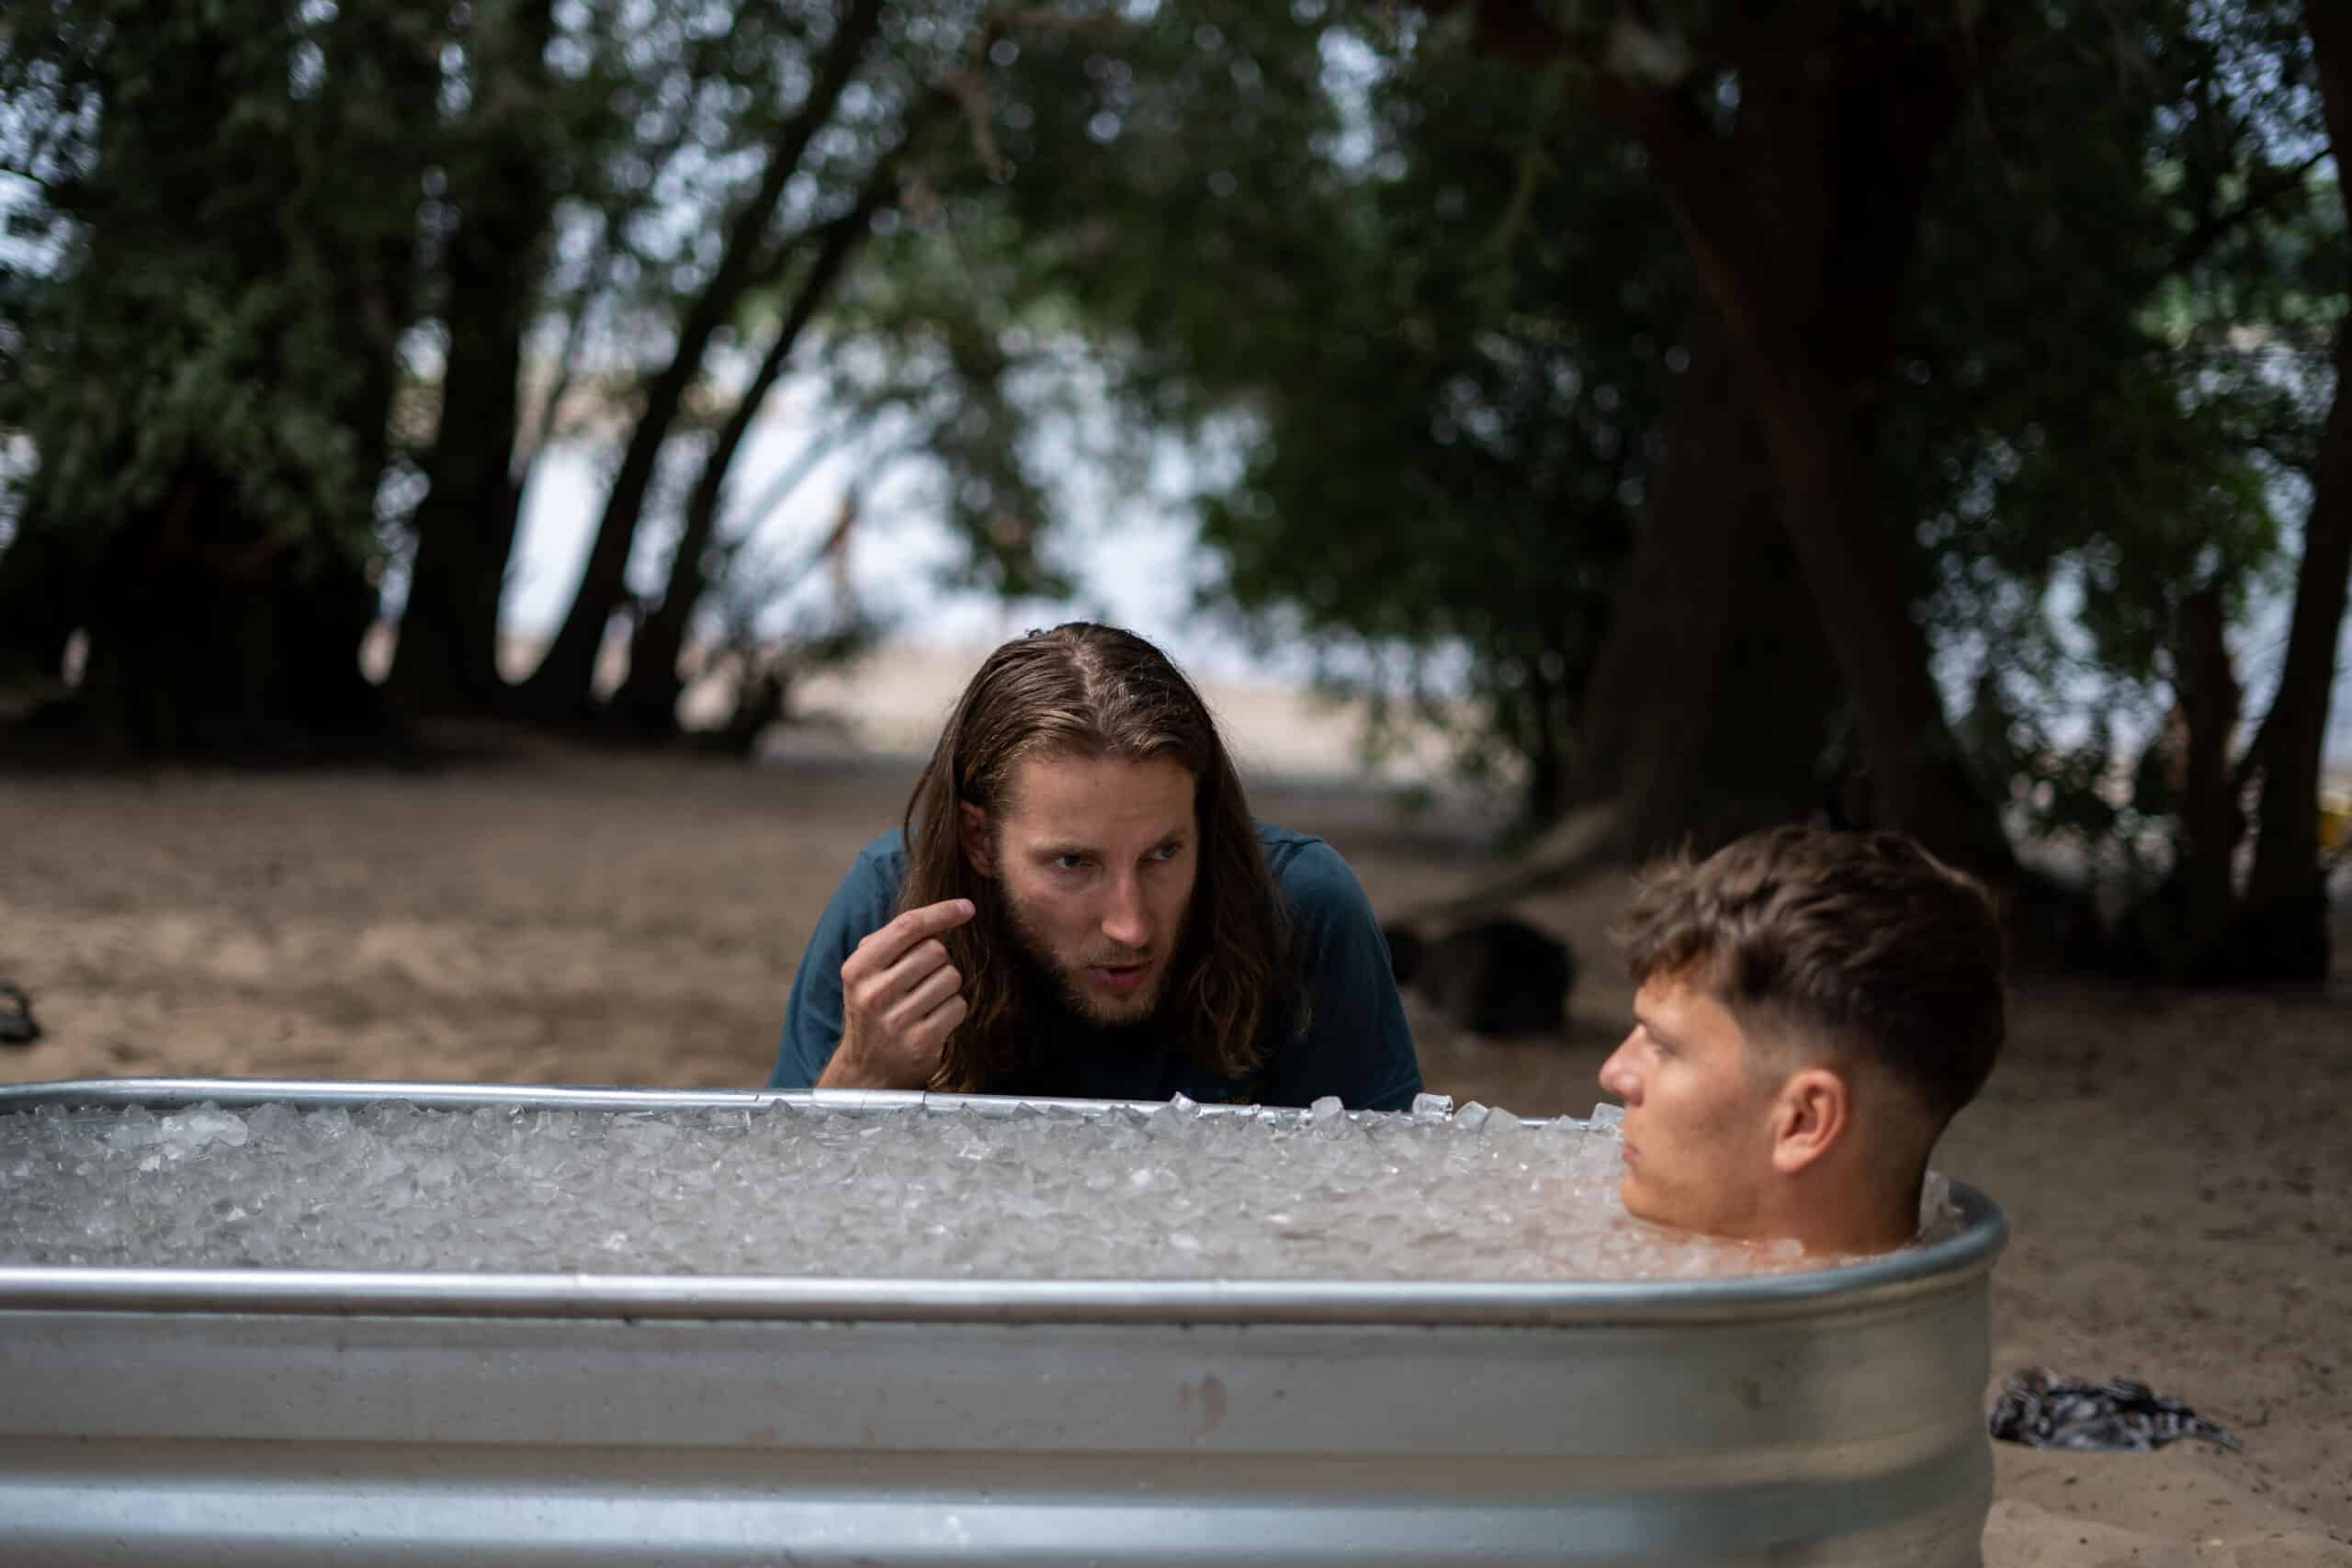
column 254, row 1417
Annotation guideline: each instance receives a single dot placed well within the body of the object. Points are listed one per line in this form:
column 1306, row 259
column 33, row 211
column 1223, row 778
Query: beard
column 1058, row 983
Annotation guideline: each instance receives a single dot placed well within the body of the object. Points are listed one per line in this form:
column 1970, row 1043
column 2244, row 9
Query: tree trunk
column 759, row 701
column 44, row 585
column 2203, row 895
column 2283, row 932
column 1835, row 131
column 1919, row 781
column 647, row 702
column 1713, row 691
column 388, row 57
column 208, row 636
column 560, row 687
column 447, row 658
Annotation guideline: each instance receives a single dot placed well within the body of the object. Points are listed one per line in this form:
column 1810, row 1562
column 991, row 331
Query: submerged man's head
column 1813, row 1009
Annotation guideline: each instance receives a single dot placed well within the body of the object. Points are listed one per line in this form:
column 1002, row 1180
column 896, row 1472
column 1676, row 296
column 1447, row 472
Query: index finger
column 891, row 941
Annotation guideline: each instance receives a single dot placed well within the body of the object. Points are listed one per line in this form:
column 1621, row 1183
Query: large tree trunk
column 560, row 686
column 1836, row 126
column 1713, row 694
column 1919, row 781
column 447, row 657
column 44, row 586
column 208, row 636
column 2283, row 918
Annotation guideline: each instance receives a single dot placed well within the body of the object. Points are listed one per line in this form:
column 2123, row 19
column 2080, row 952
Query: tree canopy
column 1709, row 413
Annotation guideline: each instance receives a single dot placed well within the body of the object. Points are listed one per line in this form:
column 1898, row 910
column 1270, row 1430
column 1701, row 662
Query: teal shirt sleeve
column 1357, row 1043
column 864, row 903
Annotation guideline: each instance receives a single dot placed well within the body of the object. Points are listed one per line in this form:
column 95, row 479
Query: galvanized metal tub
column 257, row 1418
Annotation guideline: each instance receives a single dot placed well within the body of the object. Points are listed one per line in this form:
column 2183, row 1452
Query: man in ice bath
column 1813, row 1009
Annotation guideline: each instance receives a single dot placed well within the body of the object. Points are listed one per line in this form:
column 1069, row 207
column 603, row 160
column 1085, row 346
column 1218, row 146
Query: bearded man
column 1813, row 1008
column 1078, row 905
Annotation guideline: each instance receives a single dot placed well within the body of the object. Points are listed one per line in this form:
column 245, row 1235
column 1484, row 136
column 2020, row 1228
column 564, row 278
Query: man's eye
column 1167, row 852
column 1070, row 862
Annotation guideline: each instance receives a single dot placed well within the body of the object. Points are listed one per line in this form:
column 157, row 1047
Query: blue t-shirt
column 1356, row 1043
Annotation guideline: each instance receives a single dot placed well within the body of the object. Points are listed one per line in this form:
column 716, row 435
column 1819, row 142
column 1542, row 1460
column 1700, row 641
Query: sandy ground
column 2175, row 1165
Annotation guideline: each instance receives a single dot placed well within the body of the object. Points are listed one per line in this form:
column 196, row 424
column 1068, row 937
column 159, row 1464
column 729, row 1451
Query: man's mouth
column 1119, row 976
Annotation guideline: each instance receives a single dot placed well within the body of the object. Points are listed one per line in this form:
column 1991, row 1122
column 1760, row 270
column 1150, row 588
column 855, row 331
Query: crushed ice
column 785, row 1188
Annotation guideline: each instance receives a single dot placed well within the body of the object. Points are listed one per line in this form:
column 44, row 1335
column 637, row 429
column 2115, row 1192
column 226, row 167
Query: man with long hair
column 1813, row 1008
column 1078, row 905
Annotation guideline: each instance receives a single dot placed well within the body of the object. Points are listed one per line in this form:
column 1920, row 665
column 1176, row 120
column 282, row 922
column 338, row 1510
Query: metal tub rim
column 1875, row 1284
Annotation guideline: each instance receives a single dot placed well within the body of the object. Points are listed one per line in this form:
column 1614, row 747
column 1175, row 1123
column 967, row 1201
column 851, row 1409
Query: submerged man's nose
column 1618, row 1077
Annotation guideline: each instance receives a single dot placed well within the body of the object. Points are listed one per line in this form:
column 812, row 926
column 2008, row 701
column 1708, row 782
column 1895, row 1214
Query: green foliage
column 1274, row 236
column 231, row 201
column 939, row 344
column 1092, row 148
column 2117, row 365
column 1433, row 297
column 1452, row 466
column 1406, row 288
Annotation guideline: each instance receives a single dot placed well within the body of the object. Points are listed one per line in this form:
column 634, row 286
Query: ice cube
column 191, row 1131
column 137, row 1129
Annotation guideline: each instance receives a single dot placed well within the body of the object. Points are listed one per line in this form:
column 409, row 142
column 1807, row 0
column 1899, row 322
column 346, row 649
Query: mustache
column 1116, row 957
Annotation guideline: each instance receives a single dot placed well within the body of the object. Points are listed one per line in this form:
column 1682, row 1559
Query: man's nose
column 1618, row 1077
column 1125, row 918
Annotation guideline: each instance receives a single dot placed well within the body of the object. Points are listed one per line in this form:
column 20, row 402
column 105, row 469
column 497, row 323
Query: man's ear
column 1815, row 1110
column 979, row 845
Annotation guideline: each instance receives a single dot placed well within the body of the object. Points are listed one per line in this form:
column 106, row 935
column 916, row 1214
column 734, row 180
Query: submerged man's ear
column 1815, row 1108
column 979, row 849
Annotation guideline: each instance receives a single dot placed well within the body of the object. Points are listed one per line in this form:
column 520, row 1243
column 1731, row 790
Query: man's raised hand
column 901, row 1000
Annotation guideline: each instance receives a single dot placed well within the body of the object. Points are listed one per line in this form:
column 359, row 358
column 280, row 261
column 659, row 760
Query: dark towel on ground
column 2045, row 1412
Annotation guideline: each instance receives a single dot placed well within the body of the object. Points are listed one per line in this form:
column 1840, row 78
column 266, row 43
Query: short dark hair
column 1864, row 942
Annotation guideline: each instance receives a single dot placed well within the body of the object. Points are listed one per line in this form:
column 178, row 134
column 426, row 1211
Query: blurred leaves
column 1393, row 275
column 1426, row 308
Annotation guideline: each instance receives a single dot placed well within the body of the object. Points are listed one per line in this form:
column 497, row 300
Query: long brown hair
column 1084, row 690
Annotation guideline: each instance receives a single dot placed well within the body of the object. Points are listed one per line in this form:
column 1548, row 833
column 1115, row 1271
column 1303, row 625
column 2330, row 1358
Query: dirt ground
column 2174, row 1164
